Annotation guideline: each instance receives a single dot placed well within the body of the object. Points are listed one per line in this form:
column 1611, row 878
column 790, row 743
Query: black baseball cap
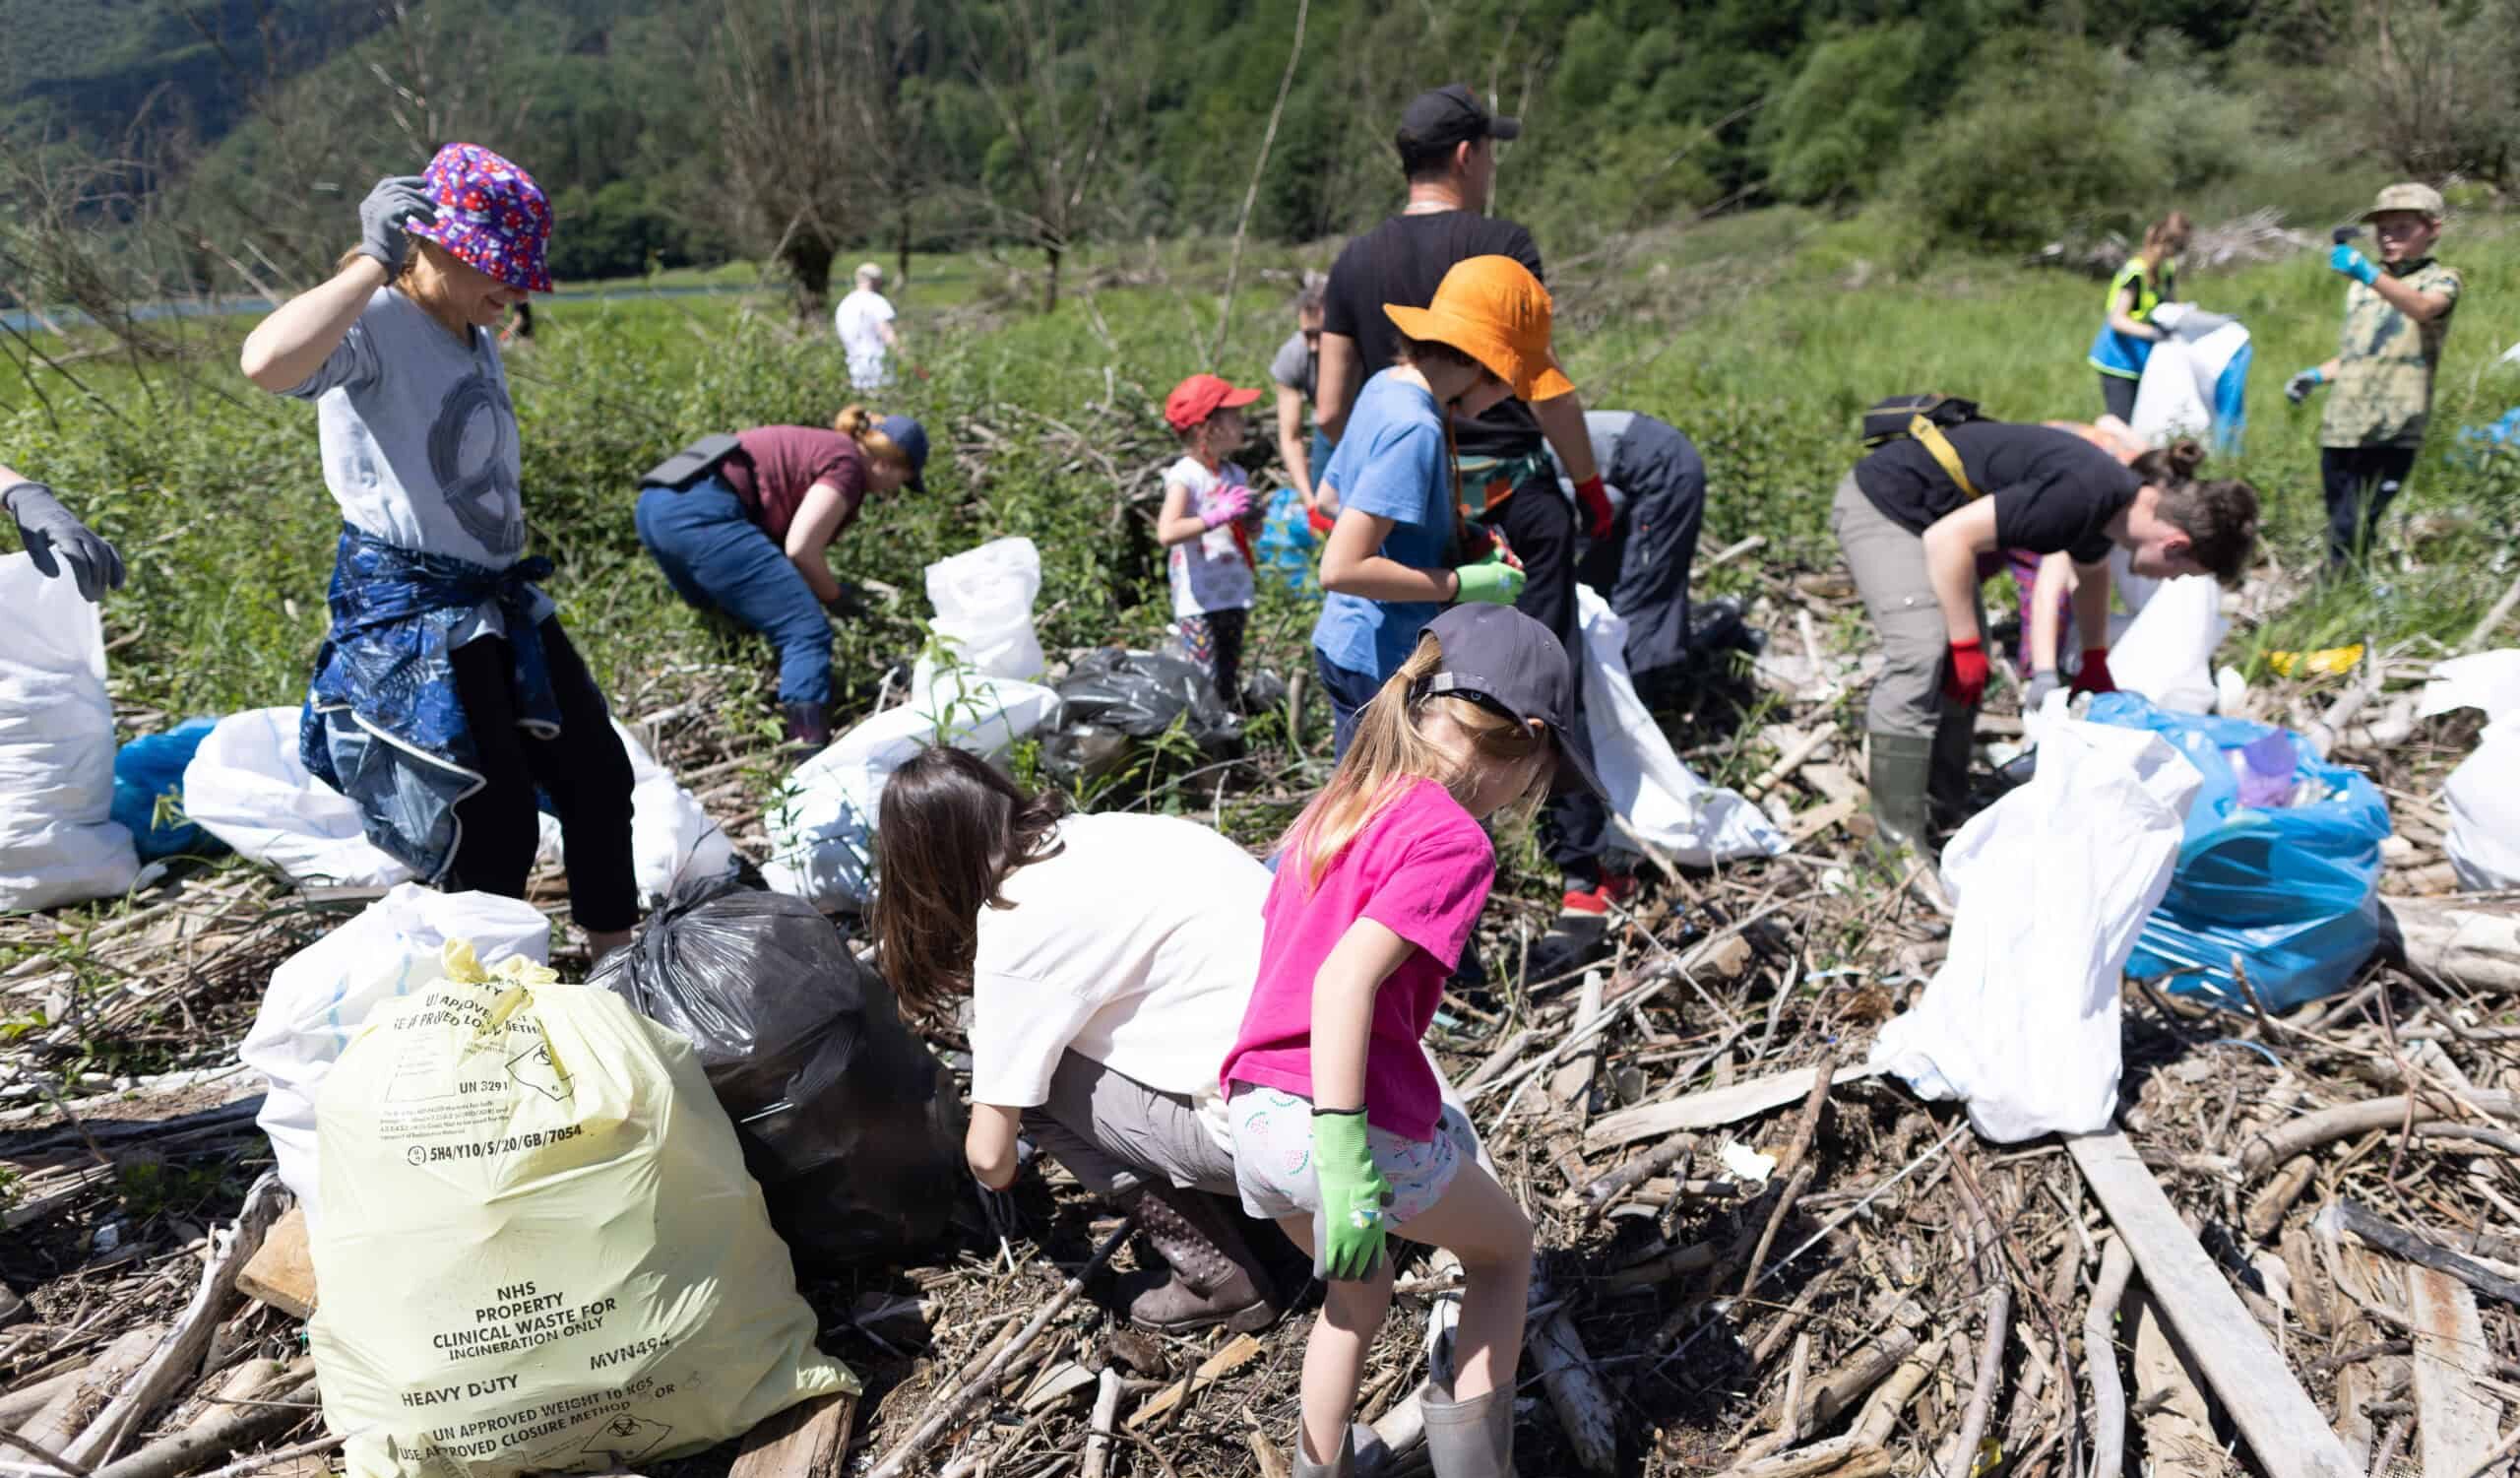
column 1512, row 664
column 1447, row 116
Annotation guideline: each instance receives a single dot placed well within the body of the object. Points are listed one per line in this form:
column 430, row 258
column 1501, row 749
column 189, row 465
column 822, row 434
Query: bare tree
column 1058, row 111
column 2439, row 82
column 799, row 88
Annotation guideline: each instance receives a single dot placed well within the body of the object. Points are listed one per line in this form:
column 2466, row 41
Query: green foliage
column 1839, row 126
column 2035, row 147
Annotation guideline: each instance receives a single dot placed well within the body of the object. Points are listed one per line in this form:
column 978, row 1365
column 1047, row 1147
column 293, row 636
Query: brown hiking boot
column 1215, row 1278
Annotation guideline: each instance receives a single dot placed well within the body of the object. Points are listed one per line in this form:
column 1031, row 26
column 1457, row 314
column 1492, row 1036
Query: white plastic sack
column 246, row 787
column 2167, row 653
column 321, row 995
column 2484, row 840
column 58, row 841
column 2053, row 882
column 673, row 840
column 822, row 827
column 983, row 599
column 1662, row 800
column 540, row 1248
column 2176, row 396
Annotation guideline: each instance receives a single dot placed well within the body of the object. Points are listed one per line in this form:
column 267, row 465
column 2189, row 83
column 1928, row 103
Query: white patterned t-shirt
column 1211, row 572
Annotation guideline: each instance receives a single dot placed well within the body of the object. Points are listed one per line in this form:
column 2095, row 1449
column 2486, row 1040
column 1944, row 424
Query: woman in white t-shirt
column 1108, row 960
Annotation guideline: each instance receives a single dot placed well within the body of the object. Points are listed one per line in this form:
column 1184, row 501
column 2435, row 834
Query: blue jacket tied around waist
column 382, row 724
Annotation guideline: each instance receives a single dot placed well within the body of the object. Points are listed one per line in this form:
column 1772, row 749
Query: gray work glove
column 396, row 199
column 54, row 537
column 2041, row 682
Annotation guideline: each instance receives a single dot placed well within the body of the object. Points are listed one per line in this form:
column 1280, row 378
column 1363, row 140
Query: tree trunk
column 809, row 258
column 904, row 254
column 1051, row 284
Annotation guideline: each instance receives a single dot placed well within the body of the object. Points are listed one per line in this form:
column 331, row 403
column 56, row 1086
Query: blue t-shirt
column 1389, row 464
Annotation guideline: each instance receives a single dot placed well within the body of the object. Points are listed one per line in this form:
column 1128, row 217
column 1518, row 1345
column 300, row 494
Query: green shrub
column 1840, row 128
column 2036, row 145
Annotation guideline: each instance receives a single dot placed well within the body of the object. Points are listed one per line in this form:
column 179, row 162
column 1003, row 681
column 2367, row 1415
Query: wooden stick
column 1991, row 1359
column 2311, row 1130
column 1834, row 1394
column 2100, row 1352
column 242, row 1426
column 986, row 1378
column 1777, row 774
column 1585, row 1411
column 2493, row 617
column 2386, row 1235
column 1098, row 1431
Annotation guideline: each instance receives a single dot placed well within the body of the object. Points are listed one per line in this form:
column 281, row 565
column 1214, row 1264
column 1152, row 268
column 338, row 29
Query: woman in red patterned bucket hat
column 446, row 693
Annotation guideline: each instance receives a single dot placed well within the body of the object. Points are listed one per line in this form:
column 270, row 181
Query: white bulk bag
column 1663, row 801
column 58, row 841
column 822, row 826
column 246, row 787
column 2052, row 882
column 320, row 996
column 983, row 599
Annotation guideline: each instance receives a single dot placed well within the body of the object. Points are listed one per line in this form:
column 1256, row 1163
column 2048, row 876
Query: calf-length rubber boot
column 1472, row 1439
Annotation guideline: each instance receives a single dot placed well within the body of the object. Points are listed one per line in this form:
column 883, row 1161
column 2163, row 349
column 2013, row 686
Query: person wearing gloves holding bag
column 1400, row 552
column 445, row 694
column 55, row 540
column 2396, row 317
column 744, row 529
column 1340, row 1131
column 1105, row 960
column 1206, row 526
column 1914, row 518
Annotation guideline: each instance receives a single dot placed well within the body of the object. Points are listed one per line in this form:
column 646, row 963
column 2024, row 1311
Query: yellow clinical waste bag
column 538, row 1247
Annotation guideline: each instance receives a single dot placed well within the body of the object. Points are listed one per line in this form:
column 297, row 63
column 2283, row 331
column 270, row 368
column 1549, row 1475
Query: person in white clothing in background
column 865, row 319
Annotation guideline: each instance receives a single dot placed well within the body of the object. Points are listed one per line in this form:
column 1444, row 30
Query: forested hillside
column 675, row 131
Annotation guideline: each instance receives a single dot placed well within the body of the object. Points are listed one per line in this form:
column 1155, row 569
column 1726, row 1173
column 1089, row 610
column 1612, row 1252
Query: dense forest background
column 221, row 145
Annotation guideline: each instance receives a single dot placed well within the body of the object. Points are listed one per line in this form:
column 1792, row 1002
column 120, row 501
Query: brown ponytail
column 864, row 427
column 949, row 831
column 2219, row 518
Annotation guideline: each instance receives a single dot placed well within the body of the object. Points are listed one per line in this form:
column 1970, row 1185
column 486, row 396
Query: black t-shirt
column 1401, row 261
column 2051, row 489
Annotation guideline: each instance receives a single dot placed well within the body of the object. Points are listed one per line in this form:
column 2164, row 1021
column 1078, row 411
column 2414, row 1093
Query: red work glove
column 1964, row 681
column 1598, row 512
column 2093, row 675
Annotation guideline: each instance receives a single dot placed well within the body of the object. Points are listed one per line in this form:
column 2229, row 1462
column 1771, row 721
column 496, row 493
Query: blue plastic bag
column 1285, row 547
column 152, row 766
column 2292, row 891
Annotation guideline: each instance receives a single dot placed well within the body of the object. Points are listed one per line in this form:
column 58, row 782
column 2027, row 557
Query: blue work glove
column 2298, row 389
column 396, row 199
column 53, row 536
column 2352, row 263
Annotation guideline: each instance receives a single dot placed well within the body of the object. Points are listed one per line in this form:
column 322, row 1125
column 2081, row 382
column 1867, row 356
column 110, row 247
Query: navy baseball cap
column 911, row 438
column 1447, row 116
column 1510, row 663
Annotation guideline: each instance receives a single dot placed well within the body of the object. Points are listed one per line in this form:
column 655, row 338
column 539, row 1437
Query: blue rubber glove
column 2298, row 389
column 2352, row 263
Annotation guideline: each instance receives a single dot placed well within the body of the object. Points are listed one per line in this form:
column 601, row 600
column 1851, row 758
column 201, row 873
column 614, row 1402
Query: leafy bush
column 1837, row 129
column 2037, row 144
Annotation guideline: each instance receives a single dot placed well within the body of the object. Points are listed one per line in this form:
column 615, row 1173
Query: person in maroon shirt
column 750, row 538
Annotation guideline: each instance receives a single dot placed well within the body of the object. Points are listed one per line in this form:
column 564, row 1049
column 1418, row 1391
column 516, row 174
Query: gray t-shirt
column 1298, row 366
column 420, row 439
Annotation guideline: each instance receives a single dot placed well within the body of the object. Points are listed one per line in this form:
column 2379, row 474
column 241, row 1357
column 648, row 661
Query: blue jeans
column 719, row 559
column 1349, row 692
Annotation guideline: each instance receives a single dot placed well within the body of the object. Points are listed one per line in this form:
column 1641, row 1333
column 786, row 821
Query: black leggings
column 582, row 769
column 2117, row 397
column 1540, row 523
column 2360, row 481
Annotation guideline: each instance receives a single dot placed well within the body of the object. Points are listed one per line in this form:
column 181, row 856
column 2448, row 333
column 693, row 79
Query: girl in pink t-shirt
column 1340, row 1130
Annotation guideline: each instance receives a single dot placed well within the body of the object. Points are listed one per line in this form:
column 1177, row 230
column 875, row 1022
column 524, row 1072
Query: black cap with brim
column 1447, row 116
column 1515, row 665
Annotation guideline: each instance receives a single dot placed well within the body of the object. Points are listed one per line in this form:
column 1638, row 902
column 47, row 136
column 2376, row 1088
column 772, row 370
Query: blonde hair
column 864, row 427
column 2167, row 238
column 1391, row 752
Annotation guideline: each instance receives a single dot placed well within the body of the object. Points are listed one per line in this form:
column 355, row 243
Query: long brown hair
column 2166, row 237
column 1391, row 752
column 948, row 833
column 2218, row 517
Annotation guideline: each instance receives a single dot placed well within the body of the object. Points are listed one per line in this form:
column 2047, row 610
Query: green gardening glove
column 1491, row 580
column 1348, row 1234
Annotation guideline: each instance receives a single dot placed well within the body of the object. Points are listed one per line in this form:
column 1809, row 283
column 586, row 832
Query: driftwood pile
column 2298, row 1254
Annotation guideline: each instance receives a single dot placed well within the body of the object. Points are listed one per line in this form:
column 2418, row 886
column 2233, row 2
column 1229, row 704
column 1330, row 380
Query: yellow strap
column 1943, row 452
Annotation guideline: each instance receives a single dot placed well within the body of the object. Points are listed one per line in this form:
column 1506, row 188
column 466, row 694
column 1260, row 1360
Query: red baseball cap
column 1201, row 396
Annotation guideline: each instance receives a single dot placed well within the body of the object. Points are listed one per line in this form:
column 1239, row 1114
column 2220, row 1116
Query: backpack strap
column 1944, row 453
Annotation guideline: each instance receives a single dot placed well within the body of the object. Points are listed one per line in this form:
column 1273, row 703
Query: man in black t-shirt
column 1447, row 143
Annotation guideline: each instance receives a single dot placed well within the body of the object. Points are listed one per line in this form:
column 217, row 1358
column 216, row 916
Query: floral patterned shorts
column 1272, row 1156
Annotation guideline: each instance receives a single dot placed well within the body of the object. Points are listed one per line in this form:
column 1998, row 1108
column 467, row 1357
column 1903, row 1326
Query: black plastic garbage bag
column 846, row 1120
column 1141, row 693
